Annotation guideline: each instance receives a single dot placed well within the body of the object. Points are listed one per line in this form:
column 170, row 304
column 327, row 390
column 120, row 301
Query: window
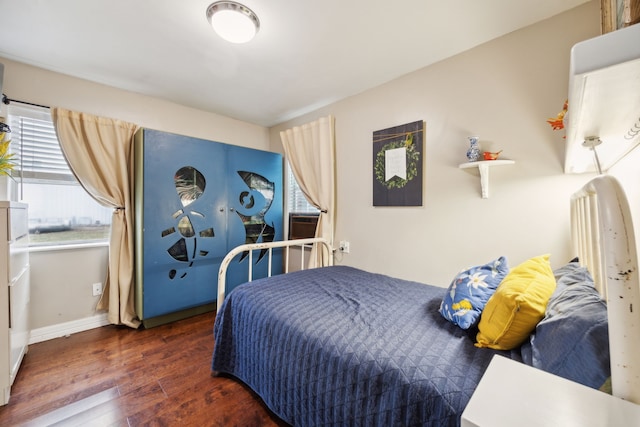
column 60, row 210
column 303, row 216
column 297, row 202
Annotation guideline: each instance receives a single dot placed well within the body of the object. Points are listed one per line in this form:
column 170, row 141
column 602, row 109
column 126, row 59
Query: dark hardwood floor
column 116, row 376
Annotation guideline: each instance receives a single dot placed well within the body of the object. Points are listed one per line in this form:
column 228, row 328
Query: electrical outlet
column 344, row 246
column 97, row 289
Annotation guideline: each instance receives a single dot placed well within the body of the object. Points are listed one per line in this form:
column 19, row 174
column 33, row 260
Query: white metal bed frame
column 604, row 240
column 304, row 244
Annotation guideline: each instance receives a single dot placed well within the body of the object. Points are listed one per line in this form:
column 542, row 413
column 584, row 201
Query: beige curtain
column 100, row 154
column 310, row 150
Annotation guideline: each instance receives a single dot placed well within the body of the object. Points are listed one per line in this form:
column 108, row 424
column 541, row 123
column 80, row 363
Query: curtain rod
column 6, row 100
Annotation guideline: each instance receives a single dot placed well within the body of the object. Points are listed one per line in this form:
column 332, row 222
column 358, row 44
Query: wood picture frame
column 398, row 158
column 616, row 14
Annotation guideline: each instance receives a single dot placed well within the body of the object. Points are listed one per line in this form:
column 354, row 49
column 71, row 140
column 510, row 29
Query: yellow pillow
column 519, row 303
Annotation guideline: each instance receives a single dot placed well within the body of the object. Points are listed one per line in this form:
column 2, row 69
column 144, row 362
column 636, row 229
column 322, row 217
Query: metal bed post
column 222, row 272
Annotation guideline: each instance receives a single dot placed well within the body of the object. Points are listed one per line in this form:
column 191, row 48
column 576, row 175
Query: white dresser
column 14, row 292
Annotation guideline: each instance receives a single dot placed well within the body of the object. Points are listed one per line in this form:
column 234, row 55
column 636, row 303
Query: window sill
column 75, row 246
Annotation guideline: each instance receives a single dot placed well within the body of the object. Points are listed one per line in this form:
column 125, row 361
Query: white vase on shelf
column 473, row 153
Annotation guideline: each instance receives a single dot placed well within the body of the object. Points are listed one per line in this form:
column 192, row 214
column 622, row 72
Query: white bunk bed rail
column 604, row 240
column 287, row 244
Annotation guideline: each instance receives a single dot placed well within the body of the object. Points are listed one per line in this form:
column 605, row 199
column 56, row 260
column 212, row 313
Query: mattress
column 341, row 346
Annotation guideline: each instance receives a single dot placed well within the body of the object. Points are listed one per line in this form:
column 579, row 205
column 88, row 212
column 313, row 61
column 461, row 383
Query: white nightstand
column 514, row 394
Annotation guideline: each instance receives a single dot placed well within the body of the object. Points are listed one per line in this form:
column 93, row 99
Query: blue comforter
column 340, row 346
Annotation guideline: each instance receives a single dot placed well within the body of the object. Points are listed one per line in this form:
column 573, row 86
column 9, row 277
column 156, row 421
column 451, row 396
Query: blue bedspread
column 340, row 346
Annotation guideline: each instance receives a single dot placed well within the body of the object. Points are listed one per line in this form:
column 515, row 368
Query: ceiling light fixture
column 233, row 21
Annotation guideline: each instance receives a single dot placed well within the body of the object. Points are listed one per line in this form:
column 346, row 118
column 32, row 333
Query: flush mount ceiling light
column 233, row 21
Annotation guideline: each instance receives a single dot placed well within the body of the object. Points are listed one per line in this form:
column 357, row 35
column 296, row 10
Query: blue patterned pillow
column 470, row 290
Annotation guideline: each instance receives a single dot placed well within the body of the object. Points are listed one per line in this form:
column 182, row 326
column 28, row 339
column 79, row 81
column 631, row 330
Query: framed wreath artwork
column 397, row 165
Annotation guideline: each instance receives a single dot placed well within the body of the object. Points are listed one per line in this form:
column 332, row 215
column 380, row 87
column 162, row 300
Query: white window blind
column 297, row 202
column 60, row 211
column 36, row 146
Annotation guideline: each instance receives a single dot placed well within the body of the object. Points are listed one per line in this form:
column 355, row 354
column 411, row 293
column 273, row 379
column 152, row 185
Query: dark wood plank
column 116, row 376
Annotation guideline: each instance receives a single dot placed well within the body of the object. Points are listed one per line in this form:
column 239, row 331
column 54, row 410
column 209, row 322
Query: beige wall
column 61, row 284
column 61, row 279
column 502, row 91
column 36, row 85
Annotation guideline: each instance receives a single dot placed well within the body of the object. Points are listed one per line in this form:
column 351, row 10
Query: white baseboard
column 67, row 328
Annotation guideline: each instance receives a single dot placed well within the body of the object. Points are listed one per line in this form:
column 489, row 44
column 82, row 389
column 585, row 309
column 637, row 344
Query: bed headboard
column 318, row 243
column 604, row 240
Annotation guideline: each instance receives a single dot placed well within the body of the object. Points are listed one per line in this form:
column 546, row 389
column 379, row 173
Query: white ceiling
column 308, row 53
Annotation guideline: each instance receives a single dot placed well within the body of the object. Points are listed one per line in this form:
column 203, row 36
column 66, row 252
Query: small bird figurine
column 409, row 140
column 557, row 123
column 488, row 155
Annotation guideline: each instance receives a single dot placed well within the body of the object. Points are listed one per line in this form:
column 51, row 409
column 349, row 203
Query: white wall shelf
column 603, row 99
column 483, row 166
